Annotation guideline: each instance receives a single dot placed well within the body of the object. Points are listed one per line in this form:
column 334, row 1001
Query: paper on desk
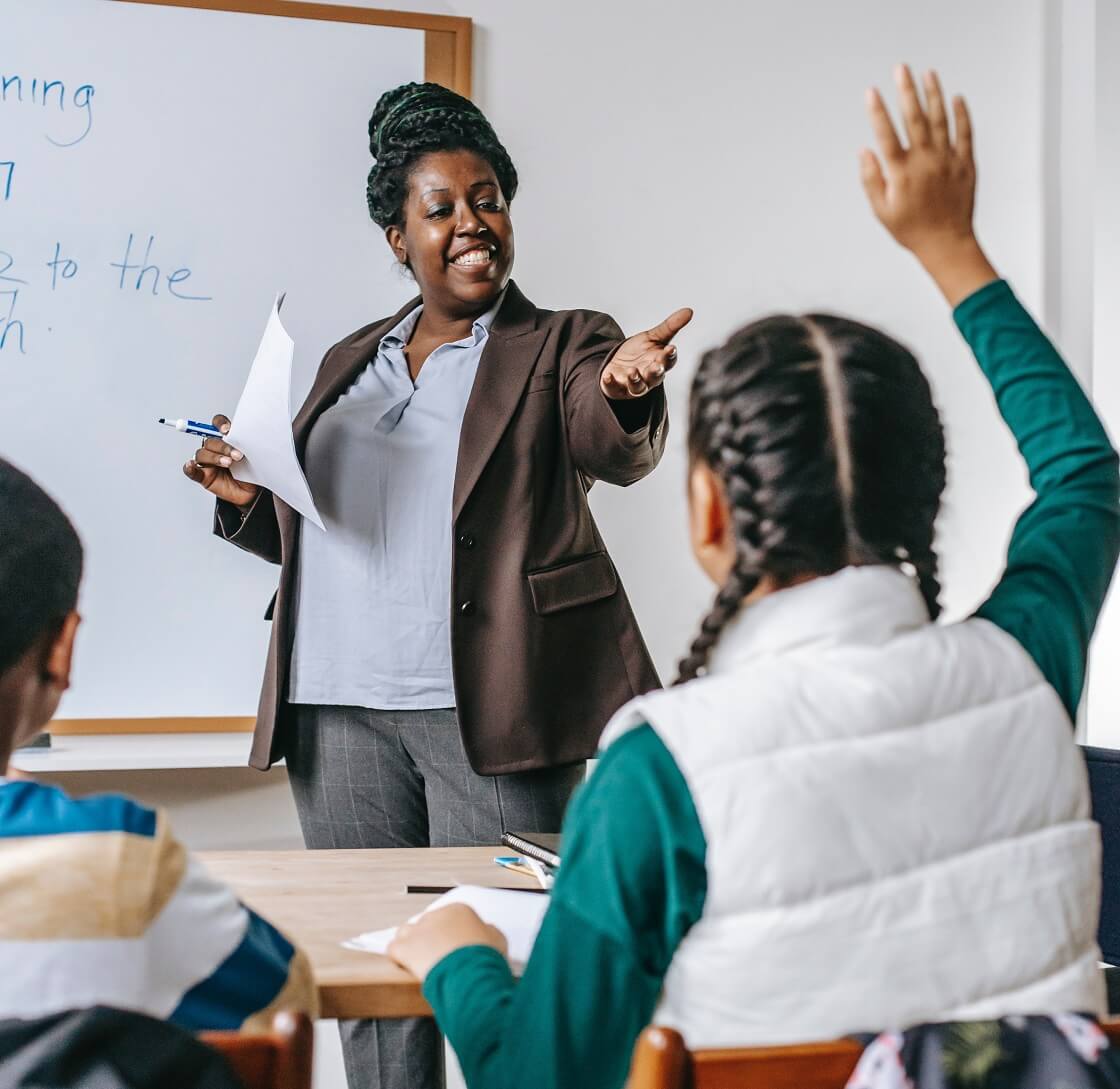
column 262, row 425
column 518, row 915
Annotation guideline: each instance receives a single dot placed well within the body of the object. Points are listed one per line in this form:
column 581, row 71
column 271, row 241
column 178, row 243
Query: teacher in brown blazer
column 445, row 656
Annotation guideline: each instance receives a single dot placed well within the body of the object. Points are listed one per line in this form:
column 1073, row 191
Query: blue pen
column 528, row 866
column 193, row 427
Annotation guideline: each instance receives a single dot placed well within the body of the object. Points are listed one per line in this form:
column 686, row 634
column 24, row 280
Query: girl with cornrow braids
column 445, row 654
column 846, row 817
column 823, row 435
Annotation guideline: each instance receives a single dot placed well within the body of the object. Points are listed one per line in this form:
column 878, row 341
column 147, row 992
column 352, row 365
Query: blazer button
column 466, row 540
column 467, row 608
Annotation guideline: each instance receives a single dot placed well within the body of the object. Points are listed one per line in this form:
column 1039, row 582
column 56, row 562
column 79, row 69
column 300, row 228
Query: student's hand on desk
column 210, row 467
column 925, row 193
column 421, row 945
column 642, row 362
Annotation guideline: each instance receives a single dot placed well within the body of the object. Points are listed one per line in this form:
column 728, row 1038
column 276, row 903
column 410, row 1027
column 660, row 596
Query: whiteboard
column 231, row 149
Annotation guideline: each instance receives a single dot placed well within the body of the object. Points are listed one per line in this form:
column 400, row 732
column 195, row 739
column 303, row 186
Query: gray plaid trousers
column 365, row 778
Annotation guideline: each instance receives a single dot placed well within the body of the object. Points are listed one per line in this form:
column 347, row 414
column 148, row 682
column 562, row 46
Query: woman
column 845, row 817
column 444, row 656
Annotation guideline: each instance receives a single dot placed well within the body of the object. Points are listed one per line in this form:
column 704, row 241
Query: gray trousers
column 365, row 778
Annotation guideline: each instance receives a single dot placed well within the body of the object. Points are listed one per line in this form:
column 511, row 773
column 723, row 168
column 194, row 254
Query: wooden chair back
column 280, row 1059
column 662, row 1061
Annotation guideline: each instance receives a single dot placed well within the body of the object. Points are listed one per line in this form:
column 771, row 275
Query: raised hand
column 642, row 362
column 210, row 467
column 924, row 191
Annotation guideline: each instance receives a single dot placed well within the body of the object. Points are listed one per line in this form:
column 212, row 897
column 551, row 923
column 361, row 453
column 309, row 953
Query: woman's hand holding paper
column 210, row 467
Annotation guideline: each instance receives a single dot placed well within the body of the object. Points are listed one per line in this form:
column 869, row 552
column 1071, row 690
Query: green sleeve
column 1065, row 544
column 631, row 884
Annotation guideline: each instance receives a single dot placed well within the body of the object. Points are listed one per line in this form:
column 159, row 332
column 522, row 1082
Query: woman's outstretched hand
column 642, row 362
column 924, row 191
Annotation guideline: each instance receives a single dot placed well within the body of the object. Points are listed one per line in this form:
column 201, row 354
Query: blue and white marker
column 193, row 427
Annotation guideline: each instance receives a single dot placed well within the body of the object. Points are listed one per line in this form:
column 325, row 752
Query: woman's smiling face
column 457, row 236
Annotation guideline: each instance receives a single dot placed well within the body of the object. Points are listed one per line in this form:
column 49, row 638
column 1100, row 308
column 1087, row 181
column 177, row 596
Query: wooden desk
column 321, row 898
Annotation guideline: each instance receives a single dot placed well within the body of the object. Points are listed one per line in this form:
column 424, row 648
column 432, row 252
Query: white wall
column 1104, row 686
column 704, row 154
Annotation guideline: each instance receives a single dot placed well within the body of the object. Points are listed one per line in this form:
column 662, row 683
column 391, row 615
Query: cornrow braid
column 729, row 600
column 414, row 120
column 898, row 437
column 824, row 434
column 744, row 577
column 918, row 546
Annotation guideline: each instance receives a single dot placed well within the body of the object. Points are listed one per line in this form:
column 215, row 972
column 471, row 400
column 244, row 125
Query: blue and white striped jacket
column 101, row 905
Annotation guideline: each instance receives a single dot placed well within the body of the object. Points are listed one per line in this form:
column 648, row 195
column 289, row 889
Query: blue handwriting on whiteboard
column 8, row 323
column 144, row 269
column 6, row 263
column 52, row 95
column 66, row 267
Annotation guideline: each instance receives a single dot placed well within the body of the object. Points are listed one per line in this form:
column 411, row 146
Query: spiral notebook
column 542, row 846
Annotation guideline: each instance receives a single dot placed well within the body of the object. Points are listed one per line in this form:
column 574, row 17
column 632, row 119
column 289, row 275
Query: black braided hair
column 414, row 119
column 831, row 452
column 40, row 564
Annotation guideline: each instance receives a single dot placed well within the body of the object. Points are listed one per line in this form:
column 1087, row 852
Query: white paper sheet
column 262, row 425
column 518, row 915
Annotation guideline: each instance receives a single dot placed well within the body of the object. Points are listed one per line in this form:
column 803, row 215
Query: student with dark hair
column 444, row 656
column 99, row 904
column 844, row 817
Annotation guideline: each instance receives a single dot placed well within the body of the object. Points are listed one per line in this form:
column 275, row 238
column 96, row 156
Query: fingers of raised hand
column 221, row 423
column 935, row 107
column 913, row 115
column 883, row 127
column 962, row 122
column 871, row 175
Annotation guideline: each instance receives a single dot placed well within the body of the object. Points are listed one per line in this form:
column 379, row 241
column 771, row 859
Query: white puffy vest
column 897, row 823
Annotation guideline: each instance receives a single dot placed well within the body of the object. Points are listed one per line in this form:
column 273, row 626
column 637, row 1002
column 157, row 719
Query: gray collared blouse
column 373, row 598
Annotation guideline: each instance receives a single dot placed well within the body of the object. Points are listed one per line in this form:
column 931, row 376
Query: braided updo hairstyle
column 831, row 452
column 413, row 120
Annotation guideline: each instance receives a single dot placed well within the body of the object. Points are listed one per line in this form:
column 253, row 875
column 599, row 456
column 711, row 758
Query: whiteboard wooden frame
column 447, row 38
column 184, row 724
column 447, row 60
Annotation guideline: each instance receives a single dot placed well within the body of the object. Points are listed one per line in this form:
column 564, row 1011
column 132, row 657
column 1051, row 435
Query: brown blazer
column 544, row 644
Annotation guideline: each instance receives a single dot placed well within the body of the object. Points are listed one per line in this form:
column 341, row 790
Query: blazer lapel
column 348, row 362
column 507, row 361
